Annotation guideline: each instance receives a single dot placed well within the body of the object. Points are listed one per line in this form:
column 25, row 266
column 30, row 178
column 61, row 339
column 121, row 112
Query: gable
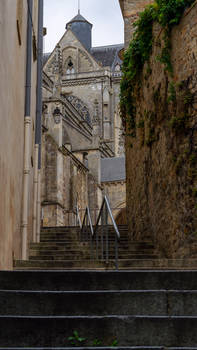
column 70, row 48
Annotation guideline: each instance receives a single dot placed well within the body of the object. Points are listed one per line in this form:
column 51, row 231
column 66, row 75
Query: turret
column 82, row 29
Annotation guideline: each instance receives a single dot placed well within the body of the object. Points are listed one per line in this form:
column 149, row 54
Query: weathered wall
column 162, row 162
column 116, row 193
column 64, row 184
column 130, row 10
column 12, row 97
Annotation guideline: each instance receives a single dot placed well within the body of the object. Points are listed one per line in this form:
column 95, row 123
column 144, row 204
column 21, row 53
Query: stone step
column 42, row 252
column 62, row 264
column 99, row 280
column 74, row 239
column 127, row 330
column 75, row 231
column 158, row 264
column 48, row 250
column 62, row 245
column 111, row 232
column 103, row 348
column 66, row 239
column 76, row 228
column 100, row 303
column 67, row 257
column 87, row 255
column 125, row 264
column 60, row 228
column 122, row 252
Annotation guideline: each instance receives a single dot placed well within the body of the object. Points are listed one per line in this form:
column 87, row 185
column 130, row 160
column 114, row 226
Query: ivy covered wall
column 159, row 108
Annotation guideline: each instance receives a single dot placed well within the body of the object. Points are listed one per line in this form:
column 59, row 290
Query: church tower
column 82, row 29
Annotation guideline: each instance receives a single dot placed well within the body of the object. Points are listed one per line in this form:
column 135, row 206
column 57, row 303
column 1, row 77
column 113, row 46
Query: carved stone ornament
column 57, row 115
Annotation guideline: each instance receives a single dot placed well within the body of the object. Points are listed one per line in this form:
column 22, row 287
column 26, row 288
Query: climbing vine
column 167, row 13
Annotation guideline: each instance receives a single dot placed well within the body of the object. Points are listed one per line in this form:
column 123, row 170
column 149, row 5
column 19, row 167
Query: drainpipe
column 38, row 132
column 27, row 137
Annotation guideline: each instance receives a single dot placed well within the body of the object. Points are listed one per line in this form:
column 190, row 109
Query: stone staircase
column 61, row 248
column 127, row 309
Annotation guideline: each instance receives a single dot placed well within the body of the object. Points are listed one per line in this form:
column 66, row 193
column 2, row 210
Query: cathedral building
column 81, row 126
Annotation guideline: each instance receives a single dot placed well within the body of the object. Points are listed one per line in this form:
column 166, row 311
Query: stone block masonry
column 130, row 10
column 162, row 158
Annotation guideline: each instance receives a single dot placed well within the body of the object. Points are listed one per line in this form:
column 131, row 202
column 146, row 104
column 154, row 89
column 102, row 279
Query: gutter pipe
column 38, row 131
column 27, row 136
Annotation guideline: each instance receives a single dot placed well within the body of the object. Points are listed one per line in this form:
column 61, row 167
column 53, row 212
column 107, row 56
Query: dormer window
column 70, row 67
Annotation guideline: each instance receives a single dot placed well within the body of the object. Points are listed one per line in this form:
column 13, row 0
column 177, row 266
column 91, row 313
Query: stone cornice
column 75, row 120
column 45, row 203
column 79, row 164
column 47, row 82
column 75, row 82
column 114, row 182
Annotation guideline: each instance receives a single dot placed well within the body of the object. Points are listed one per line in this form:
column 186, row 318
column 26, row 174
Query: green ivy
column 167, row 13
column 171, row 93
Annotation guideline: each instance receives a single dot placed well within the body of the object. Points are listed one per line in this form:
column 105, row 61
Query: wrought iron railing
column 75, row 216
column 99, row 235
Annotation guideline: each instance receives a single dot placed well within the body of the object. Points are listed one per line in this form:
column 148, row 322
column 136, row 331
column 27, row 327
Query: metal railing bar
column 105, row 200
column 101, row 241
column 99, row 216
column 78, row 217
column 112, row 218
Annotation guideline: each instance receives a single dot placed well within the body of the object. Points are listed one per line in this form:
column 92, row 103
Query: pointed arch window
column 70, row 69
column 117, row 68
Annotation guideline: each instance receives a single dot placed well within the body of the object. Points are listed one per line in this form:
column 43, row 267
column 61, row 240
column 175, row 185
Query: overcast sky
column 105, row 15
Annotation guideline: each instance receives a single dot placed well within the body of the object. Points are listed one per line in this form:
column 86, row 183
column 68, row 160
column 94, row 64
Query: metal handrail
column 105, row 200
column 104, row 212
column 78, row 216
column 88, row 221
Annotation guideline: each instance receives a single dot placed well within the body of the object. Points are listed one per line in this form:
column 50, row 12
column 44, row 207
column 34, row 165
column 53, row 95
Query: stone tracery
column 80, row 106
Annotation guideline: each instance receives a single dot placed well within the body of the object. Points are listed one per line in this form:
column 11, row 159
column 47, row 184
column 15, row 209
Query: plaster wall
column 12, row 97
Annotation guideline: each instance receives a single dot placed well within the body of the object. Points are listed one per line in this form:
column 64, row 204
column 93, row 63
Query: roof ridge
column 106, row 46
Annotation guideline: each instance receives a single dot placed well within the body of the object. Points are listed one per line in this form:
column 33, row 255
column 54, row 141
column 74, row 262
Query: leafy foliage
column 167, row 13
column 114, row 343
column 75, row 339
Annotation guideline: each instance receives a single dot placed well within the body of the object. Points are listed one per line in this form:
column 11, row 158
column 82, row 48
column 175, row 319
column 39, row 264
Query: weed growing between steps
column 78, row 341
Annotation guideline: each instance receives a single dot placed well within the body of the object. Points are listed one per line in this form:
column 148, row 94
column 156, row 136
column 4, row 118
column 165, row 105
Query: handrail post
column 102, row 234
column 106, row 235
column 97, row 245
column 116, row 253
column 94, row 235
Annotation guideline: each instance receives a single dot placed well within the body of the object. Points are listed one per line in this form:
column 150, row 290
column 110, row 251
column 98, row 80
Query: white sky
column 105, row 15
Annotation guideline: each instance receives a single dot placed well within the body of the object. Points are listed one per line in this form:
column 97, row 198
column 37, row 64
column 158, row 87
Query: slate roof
column 78, row 18
column 106, row 55
column 113, row 169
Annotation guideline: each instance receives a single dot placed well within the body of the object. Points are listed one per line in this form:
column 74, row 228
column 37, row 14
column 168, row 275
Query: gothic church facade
column 81, row 125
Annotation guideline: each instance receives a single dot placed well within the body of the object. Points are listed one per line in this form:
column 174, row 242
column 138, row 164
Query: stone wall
column 162, row 159
column 116, row 193
column 130, row 10
column 12, row 98
column 65, row 182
